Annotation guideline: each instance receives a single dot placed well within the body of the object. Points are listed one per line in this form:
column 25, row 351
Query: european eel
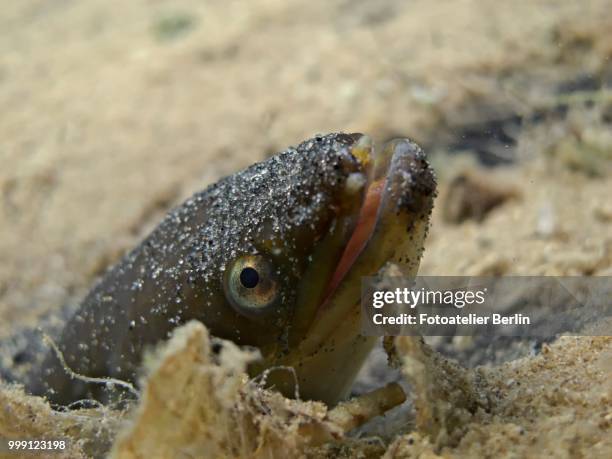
column 270, row 257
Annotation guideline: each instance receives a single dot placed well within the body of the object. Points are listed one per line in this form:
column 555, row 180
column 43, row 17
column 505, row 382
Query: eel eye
column 251, row 285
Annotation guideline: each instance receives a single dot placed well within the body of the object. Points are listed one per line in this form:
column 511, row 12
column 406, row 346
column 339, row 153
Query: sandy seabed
column 115, row 111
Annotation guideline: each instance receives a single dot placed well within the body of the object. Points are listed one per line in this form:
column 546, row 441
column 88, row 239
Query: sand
column 115, row 111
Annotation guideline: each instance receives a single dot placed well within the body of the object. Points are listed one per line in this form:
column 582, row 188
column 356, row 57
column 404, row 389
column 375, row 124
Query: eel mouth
column 390, row 228
column 366, row 221
column 400, row 183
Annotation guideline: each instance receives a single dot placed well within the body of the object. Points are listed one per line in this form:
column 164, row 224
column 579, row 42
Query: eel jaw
column 401, row 189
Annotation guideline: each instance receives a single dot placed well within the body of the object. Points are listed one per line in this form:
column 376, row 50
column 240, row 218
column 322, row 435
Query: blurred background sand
column 114, row 111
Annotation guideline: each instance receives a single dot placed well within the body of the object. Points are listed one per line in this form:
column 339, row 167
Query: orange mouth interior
column 361, row 234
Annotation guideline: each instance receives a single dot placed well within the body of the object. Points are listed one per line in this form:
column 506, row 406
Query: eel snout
column 391, row 228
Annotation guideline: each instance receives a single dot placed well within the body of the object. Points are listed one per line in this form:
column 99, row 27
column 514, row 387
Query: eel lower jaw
column 391, row 228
